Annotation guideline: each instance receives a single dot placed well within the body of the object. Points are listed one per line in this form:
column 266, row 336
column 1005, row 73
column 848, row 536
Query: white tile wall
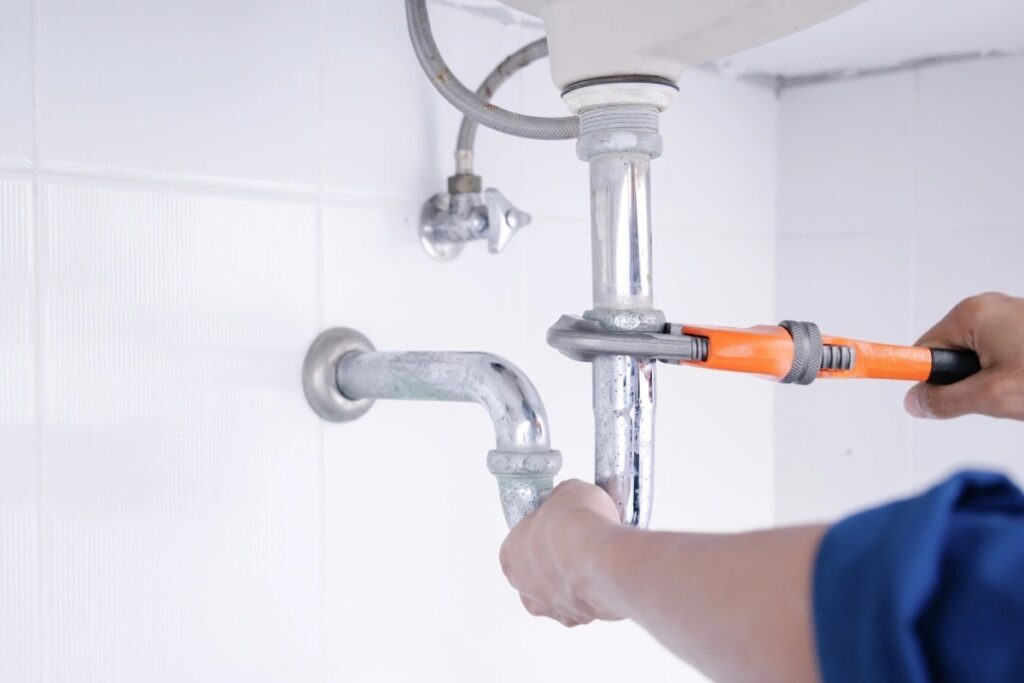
column 16, row 82
column 19, row 482
column 720, row 146
column 180, row 464
column 217, row 183
column 378, row 112
column 899, row 196
column 848, row 159
column 226, row 89
column 970, row 158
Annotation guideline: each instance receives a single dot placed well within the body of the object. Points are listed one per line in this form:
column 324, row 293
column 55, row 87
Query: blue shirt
column 926, row 589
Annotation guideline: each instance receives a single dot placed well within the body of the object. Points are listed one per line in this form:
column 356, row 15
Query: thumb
column 937, row 402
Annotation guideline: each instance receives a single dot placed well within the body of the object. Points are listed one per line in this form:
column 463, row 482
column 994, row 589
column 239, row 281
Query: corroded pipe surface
column 522, row 459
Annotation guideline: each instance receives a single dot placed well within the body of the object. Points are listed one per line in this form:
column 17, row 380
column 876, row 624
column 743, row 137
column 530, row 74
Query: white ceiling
column 886, row 33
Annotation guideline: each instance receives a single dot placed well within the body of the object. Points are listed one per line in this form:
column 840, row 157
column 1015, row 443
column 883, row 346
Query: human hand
column 992, row 325
column 551, row 557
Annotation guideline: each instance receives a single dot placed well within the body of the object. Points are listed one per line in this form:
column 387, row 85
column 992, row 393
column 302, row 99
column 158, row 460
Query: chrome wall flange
column 320, row 374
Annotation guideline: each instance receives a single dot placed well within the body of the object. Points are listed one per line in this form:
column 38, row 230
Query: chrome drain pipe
column 343, row 375
column 619, row 141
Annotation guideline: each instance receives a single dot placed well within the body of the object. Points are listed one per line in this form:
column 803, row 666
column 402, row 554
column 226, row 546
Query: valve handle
column 503, row 220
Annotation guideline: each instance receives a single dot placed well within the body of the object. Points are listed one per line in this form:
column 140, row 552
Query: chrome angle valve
column 463, row 214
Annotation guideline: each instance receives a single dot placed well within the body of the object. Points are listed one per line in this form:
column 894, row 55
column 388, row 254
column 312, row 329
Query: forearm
column 736, row 606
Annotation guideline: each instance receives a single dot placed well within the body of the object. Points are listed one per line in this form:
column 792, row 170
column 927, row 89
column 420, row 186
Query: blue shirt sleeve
column 926, row 589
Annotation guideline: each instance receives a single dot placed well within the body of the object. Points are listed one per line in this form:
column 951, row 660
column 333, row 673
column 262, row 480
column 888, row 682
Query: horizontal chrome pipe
column 508, row 396
column 343, row 375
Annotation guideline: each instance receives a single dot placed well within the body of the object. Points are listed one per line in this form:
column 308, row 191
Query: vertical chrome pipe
column 620, row 198
column 624, row 400
column 619, row 143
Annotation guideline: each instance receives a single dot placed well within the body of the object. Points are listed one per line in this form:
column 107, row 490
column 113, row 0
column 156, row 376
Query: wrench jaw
column 584, row 340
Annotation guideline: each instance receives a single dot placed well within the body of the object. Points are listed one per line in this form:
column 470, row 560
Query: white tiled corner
column 180, row 459
column 843, row 444
column 16, row 81
column 19, row 484
column 718, row 169
column 226, row 89
column 846, row 159
column 970, row 154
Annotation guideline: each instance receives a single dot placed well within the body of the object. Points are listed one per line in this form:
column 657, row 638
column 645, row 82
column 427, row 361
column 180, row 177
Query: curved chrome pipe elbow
column 343, row 371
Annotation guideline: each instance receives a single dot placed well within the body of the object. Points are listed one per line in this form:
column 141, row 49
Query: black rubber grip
column 952, row 365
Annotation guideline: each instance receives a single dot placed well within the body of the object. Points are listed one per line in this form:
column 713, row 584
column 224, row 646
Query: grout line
column 16, row 164
column 169, row 181
column 172, row 180
column 39, row 364
column 321, row 306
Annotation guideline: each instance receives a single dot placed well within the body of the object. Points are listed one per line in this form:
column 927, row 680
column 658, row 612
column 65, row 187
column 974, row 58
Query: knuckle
column 970, row 307
column 980, row 306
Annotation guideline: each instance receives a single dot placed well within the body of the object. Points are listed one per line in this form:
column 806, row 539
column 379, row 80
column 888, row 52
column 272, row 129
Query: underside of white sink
column 604, row 38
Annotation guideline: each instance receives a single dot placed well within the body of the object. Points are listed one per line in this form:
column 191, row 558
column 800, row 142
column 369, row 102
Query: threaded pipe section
column 630, row 117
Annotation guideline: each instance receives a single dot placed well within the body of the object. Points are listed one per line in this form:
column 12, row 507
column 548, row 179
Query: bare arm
column 736, row 606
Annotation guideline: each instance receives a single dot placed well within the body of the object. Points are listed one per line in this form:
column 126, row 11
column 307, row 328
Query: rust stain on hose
column 443, row 76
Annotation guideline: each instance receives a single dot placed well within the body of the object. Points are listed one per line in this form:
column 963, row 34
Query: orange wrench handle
column 882, row 361
column 768, row 350
column 765, row 350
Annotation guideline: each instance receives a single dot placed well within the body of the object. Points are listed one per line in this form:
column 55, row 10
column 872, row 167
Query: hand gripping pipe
column 468, row 102
column 343, row 375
